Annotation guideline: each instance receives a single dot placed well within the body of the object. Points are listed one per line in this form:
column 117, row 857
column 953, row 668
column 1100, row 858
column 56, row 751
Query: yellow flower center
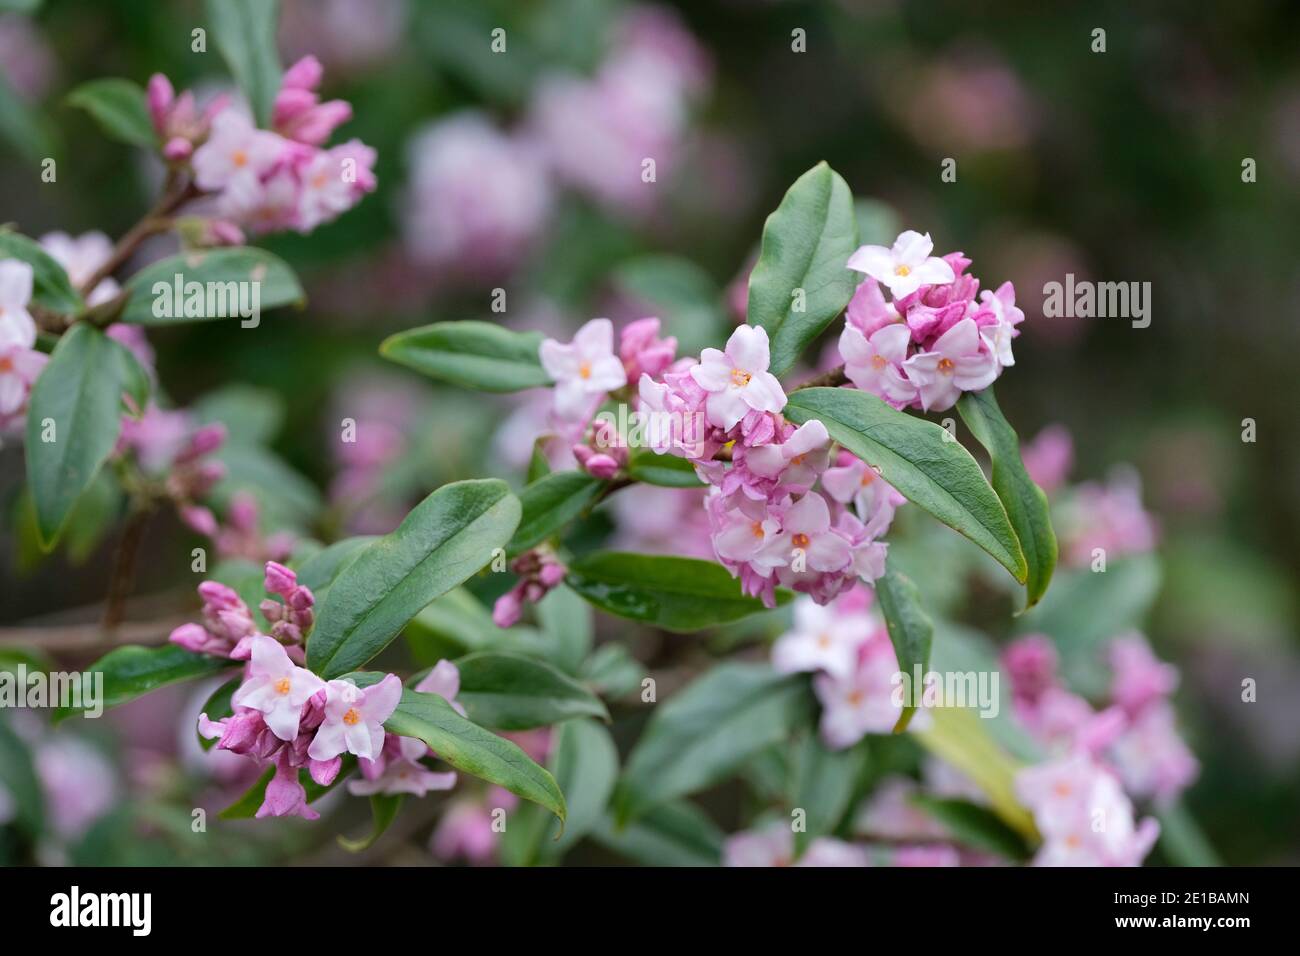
column 352, row 716
column 282, row 685
column 902, row 270
column 239, row 158
column 756, row 528
column 6, row 363
column 740, row 377
column 800, row 540
column 823, row 641
column 856, row 698
column 945, row 366
column 878, row 362
column 868, row 476
column 584, row 370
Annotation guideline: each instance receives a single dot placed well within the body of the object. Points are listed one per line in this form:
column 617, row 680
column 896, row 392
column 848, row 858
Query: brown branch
column 128, row 549
column 66, row 638
column 832, row 379
column 176, row 193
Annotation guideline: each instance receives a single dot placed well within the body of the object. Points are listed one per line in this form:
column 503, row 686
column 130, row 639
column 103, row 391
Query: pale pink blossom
column 402, row 771
column 354, row 718
column 904, row 267
column 737, row 380
column 824, row 638
column 584, row 370
column 863, row 702
column 276, row 687
column 956, row 363
column 875, row 364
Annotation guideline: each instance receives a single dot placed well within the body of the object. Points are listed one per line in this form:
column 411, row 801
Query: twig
column 128, row 548
column 175, row 194
column 832, row 379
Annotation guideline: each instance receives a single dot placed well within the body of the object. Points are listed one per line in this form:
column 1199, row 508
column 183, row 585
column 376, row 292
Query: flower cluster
column 20, row 362
column 285, row 715
column 849, row 649
column 769, row 523
column 259, row 180
column 480, row 196
column 539, row 571
column 931, row 340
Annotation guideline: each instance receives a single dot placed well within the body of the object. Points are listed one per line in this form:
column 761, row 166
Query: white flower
column 904, row 268
column 583, row 370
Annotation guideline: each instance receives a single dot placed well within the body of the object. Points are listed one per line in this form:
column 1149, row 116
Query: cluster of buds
column 291, row 617
column 603, row 454
column 227, row 629
column 241, row 536
column 539, row 571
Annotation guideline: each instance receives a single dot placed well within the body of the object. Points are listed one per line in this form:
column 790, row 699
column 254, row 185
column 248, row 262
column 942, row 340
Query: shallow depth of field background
column 1122, row 166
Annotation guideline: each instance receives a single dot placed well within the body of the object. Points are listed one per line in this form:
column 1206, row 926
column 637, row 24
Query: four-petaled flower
column 904, row 267
column 354, row 718
column 737, row 379
column 276, row 686
column 583, row 370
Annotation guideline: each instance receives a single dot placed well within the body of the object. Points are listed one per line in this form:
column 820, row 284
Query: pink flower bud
column 222, row 232
column 177, row 149
column 506, row 611
column 272, row 610
column 192, row 637
column 199, row 519
column 218, row 596
column 279, row 579
column 601, row 466
column 305, row 74
column 301, row 598
column 551, row 574
column 160, row 96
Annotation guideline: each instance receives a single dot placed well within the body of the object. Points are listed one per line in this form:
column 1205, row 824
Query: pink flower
column 874, row 499
column 771, row 846
column 402, row 771
column 1151, row 758
column 643, row 352
column 332, row 182
column 827, row 851
column 737, row 380
column 957, row 363
column 443, row 680
column 1140, row 678
column 998, row 331
column 465, row 830
column 277, row 688
column 584, row 370
column 793, row 464
column 19, row 368
column 863, row 702
column 823, row 639
column 1049, row 456
column 1109, row 517
column 868, row 312
column 1083, row 815
column 78, row 784
column 806, row 532
column 354, row 718
column 875, row 364
column 16, row 325
column 905, row 267
column 298, row 112
column 237, row 154
column 81, row 257
column 285, row 794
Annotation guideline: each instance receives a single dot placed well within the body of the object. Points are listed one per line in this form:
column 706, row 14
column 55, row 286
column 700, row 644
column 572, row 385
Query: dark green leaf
column 132, row 671
column 384, row 809
column 921, row 460
column 319, row 571
column 236, row 282
column 975, row 826
column 51, row 287
column 119, row 107
column 678, row 594
column 18, row 777
column 674, row 834
column 476, row 355
column 567, row 625
column 79, row 393
column 806, row 243
column 667, row 471
column 549, row 504
column 910, row 631
column 1025, row 502
column 509, row 692
column 244, row 32
column 708, row 730
column 445, row 539
column 825, row 781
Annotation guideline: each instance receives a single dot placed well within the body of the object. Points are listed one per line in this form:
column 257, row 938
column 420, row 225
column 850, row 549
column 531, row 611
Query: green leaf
column 910, row 631
column 806, row 244
column 132, row 671
column 471, row 354
column 244, row 32
column 549, row 504
column 469, row 748
column 975, row 826
column 285, row 498
column 584, row 762
column 567, row 626
column 120, row 108
column 237, row 282
column 612, row 671
column 708, row 730
column 674, row 834
column 1181, row 838
column 51, row 287
column 319, row 571
column 510, row 692
column 677, row 594
column 825, row 781
column 79, row 392
column 1024, row 501
column 384, row 809
column 93, row 517
column 921, row 460
column 445, row 539
column 667, row 471
column 18, row 777
column 681, row 293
